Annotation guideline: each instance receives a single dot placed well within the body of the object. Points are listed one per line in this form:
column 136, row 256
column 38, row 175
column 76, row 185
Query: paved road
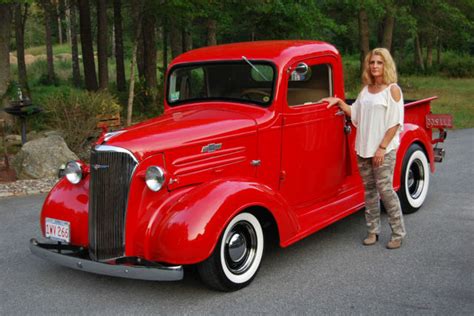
column 329, row 272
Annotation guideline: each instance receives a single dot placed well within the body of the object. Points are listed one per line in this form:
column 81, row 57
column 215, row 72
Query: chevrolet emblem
column 211, row 148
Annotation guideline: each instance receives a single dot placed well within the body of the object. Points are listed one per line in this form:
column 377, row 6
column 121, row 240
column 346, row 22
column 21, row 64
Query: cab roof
column 279, row 52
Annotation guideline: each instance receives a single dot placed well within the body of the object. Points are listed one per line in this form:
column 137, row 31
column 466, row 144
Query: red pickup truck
column 243, row 155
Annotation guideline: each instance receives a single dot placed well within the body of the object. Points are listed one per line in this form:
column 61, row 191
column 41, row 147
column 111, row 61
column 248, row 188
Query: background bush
column 74, row 113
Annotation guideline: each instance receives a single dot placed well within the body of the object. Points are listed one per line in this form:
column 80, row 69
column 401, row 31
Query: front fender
column 412, row 134
column 69, row 202
column 188, row 231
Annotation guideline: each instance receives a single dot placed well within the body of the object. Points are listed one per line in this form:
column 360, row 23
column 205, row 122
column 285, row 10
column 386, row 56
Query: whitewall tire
column 237, row 257
column 415, row 179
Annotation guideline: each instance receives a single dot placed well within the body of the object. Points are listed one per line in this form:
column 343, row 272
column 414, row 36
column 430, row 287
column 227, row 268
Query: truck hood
column 181, row 128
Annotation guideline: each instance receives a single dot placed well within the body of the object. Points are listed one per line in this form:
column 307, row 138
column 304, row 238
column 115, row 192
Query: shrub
column 74, row 113
column 457, row 65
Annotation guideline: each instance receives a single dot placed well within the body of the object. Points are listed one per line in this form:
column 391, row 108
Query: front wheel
column 236, row 258
column 415, row 179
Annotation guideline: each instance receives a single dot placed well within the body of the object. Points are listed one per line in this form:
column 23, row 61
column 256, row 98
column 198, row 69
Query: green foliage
column 455, row 96
column 74, row 113
column 352, row 79
column 457, row 66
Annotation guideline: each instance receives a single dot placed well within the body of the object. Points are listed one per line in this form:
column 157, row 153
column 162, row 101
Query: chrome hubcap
column 240, row 247
column 237, row 247
column 416, row 179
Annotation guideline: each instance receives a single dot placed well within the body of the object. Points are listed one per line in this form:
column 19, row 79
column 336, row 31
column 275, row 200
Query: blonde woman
column 378, row 115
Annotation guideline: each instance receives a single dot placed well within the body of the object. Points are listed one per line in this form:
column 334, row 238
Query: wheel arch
column 413, row 134
column 191, row 228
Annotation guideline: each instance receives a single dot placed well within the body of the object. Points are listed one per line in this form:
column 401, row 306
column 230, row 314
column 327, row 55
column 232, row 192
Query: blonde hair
column 389, row 68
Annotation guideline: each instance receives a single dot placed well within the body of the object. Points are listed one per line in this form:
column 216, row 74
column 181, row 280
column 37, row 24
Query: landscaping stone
column 13, row 140
column 41, row 158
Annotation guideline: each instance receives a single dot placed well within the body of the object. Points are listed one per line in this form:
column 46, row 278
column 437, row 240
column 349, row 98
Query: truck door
column 314, row 143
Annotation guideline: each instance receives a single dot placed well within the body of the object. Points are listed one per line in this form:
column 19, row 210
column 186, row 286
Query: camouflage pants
column 378, row 183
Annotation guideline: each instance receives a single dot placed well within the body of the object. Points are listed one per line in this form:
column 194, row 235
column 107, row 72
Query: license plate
column 439, row 121
column 58, row 230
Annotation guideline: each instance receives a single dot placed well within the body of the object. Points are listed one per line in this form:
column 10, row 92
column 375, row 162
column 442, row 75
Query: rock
column 53, row 133
column 41, row 158
column 13, row 139
column 13, row 59
column 29, row 59
column 33, row 135
column 63, row 57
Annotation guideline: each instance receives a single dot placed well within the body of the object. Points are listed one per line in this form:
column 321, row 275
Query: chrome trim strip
column 159, row 273
column 109, row 135
column 115, row 149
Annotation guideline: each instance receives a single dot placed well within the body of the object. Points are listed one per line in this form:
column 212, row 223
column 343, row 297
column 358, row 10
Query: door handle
column 340, row 113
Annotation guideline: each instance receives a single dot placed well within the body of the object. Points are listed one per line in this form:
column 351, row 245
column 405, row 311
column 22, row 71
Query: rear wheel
column 415, row 179
column 236, row 258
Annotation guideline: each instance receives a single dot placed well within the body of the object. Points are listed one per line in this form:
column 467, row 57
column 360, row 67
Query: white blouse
column 373, row 114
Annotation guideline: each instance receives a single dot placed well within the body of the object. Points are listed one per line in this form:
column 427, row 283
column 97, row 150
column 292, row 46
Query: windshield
column 235, row 81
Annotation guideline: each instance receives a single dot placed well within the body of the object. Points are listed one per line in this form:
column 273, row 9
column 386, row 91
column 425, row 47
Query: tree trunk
column 419, row 53
column 119, row 60
column 141, row 55
column 429, row 54
column 60, row 27
column 68, row 22
column 131, row 89
column 388, row 26
column 211, row 26
column 102, row 44
column 187, row 40
column 176, row 41
column 149, row 41
column 90, row 76
column 20, row 20
column 76, row 72
column 165, row 47
column 5, row 32
column 49, row 42
column 363, row 35
column 438, row 51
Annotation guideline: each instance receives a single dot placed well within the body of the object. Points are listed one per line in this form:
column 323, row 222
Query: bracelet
column 381, row 147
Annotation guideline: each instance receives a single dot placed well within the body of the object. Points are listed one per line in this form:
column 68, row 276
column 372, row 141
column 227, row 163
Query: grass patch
column 455, row 96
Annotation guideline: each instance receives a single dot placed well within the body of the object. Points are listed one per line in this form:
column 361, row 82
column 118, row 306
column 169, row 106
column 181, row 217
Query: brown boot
column 394, row 244
column 371, row 239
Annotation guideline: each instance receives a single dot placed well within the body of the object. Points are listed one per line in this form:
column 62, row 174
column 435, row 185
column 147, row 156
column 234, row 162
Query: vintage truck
column 243, row 155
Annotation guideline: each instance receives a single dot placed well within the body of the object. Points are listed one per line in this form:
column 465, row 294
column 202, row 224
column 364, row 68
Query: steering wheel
column 256, row 93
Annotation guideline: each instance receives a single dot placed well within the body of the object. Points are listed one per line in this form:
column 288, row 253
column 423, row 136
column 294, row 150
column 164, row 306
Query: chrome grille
column 110, row 176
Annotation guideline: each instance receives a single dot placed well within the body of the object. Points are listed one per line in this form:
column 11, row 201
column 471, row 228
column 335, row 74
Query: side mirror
column 302, row 69
column 300, row 73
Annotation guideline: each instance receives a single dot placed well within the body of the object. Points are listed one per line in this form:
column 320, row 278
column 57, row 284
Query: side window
column 310, row 85
column 187, row 84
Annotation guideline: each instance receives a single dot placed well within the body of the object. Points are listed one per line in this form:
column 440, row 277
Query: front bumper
column 130, row 267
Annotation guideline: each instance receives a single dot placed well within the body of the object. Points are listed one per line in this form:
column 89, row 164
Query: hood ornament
column 210, row 148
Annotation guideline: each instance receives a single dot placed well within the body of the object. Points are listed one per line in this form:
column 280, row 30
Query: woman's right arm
column 341, row 104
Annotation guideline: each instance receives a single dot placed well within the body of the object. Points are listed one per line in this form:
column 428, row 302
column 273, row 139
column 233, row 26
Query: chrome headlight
column 73, row 172
column 155, row 178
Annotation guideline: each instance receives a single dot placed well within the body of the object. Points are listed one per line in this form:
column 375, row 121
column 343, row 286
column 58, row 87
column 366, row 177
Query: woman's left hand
column 377, row 160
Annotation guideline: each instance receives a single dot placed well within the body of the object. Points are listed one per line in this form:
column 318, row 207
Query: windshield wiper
column 254, row 68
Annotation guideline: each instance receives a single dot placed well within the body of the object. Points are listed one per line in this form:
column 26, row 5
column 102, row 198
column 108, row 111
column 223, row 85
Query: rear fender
column 412, row 134
column 188, row 231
